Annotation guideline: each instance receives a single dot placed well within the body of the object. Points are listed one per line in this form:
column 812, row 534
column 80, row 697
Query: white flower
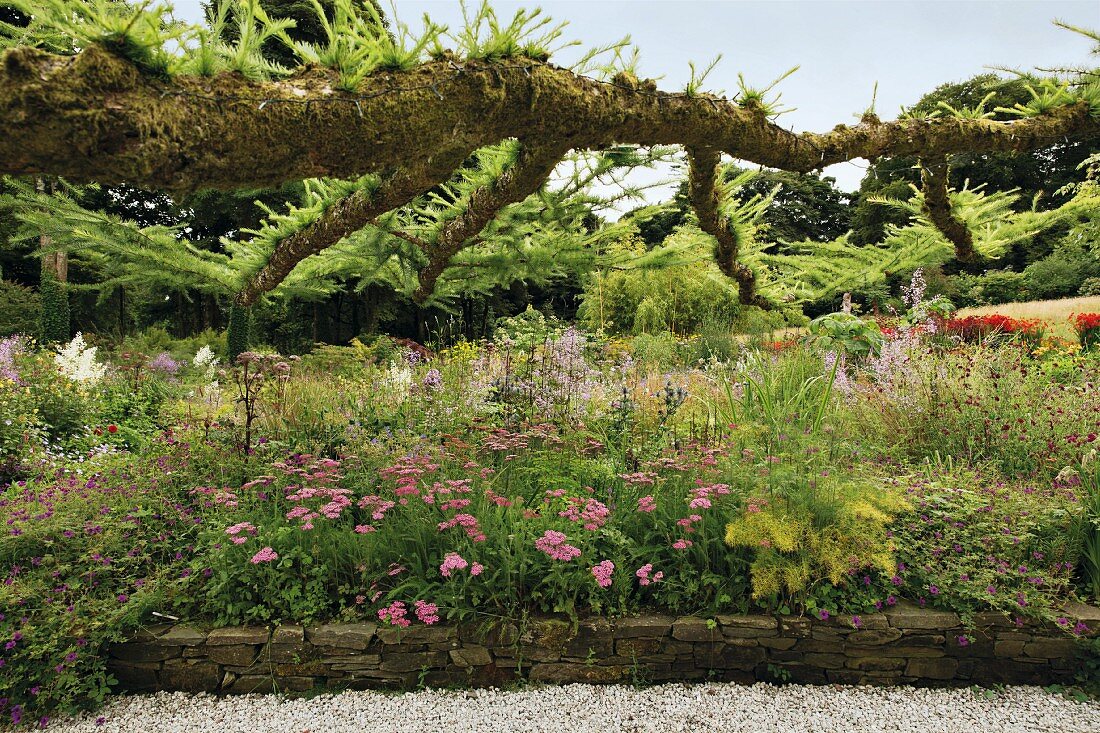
column 76, row 360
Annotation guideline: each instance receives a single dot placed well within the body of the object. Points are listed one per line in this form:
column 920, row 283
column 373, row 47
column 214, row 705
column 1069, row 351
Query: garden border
column 904, row 645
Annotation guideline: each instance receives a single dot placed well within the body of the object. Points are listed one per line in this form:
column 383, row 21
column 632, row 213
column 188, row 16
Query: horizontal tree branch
column 94, row 116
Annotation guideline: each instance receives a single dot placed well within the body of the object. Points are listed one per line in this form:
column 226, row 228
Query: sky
column 842, row 47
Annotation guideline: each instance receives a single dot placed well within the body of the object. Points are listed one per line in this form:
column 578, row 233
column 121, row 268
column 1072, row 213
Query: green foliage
column 141, row 33
column 1089, row 521
column 53, row 319
column 19, row 309
column 837, row 532
column 844, row 333
column 678, row 297
column 994, row 287
column 529, row 34
column 527, row 330
column 239, row 334
column 1060, row 274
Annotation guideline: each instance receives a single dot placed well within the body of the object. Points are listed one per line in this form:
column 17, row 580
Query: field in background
column 1054, row 312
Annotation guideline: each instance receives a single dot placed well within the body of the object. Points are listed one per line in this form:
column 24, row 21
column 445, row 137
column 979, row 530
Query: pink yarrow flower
column 554, row 544
column 264, row 555
column 602, row 572
column 644, row 577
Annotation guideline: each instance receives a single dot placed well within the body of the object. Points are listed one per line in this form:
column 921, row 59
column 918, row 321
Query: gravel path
column 604, row 709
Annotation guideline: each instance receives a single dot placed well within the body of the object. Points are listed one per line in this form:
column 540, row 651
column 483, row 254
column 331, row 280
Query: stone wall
column 906, row 645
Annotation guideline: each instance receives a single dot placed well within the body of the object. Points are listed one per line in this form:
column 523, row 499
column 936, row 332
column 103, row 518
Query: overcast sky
column 843, row 48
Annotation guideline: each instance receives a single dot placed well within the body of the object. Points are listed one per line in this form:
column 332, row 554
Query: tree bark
column 937, row 206
column 703, row 173
column 95, row 117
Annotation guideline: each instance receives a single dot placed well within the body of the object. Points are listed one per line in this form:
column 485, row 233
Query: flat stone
column 351, row 661
column 874, row 621
column 150, row 632
column 780, row 642
column 875, row 664
column 1008, row 648
column 825, row 661
column 992, row 618
column 634, row 648
column 1083, row 612
column 248, row 684
column 759, row 623
column 412, row 661
column 135, row 676
column 909, row 616
column 414, row 635
column 1051, row 648
column 185, row 677
column 548, row 633
column 238, row 655
column 562, row 672
column 471, row 656
column 593, row 639
column 137, row 651
column 238, row 635
column 288, row 634
column 932, row 669
column 490, row 633
column 696, row 629
column 308, row 669
column 895, row 651
column 797, row 626
column 646, row 627
column 874, row 637
column 182, row 635
column 342, row 636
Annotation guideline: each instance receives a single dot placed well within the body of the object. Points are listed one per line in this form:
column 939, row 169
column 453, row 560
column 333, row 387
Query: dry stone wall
column 907, row 645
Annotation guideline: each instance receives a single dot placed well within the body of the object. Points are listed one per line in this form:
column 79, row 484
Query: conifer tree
column 385, row 118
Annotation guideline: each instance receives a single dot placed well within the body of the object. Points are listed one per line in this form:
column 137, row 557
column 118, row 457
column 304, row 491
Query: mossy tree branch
column 96, row 116
column 535, row 162
column 937, row 206
column 704, row 171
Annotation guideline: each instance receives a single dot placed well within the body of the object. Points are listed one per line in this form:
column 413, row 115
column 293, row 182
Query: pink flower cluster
column 641, row 478
column 554, row 544
column 428, row 613
column 602, row 572
column 394, row 614
column 407, row 472
column 452, row 561
column 644, row 577
column 468, row 522
column 647, row 504
column 594, row 514
column 703, row 494
column 264, row 555
column 239, row 533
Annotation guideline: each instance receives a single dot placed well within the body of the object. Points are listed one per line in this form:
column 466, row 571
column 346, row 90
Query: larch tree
column 433, row 144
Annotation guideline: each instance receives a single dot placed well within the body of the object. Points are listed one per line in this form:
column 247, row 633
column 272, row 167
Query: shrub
column 53, row 323
column 1000, row 286
column 655, row 350
column 1090, row 286
column 835, row 530
column 19, row 309
column 846, row 334
column 1061, row 273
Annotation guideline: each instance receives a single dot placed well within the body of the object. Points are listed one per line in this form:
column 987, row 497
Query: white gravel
column 602, row 709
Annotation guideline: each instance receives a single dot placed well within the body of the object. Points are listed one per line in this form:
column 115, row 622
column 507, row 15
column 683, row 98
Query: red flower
column 112, row 428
